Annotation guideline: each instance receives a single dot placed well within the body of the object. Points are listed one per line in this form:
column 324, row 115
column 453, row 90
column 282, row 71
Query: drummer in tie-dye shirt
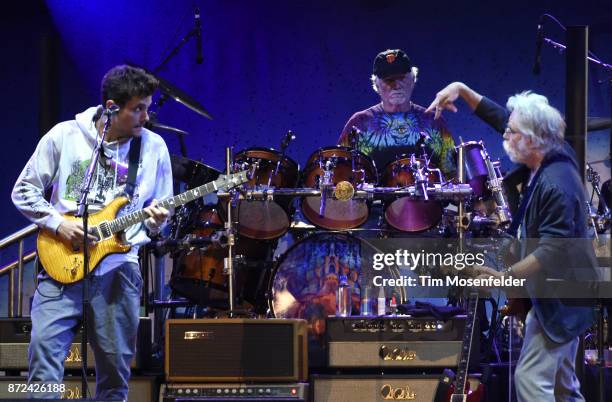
column 396, row 126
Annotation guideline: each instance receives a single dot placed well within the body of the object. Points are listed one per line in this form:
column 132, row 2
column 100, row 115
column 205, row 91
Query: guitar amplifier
column 15, row 339
column 141, row 389
column 296, row 392
column 236, row 350
column 395, row 341
column 378, row 388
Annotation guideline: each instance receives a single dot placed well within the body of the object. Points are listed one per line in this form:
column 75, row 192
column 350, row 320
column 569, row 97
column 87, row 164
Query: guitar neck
column 466, row 345
column 133, row 218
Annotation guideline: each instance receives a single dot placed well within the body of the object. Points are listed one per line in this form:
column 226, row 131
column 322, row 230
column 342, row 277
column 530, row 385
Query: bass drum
column 407, row 214
column 265, row 219
column 305, row 279
column 198, row 271
column 346, row 165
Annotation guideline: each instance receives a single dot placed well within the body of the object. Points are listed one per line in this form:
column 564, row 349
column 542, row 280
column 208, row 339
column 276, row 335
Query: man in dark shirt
column 551, row 222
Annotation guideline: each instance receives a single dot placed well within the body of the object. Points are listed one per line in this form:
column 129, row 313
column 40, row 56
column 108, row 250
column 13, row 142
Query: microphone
column 288, row 138
column 198, row 32
column 112, row 109
column 539, row 40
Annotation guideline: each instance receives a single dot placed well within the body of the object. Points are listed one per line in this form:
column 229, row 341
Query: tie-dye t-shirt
column 385, row 136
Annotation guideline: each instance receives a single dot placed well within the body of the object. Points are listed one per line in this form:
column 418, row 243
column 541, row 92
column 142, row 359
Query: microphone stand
column 283, row 148
column 83, row 212
column 176, row 49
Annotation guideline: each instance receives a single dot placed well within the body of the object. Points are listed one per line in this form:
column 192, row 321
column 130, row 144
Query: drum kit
column 330, row 208
column 223, row 246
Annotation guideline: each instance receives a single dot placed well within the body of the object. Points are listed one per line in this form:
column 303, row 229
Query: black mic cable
column 198, row 28
column 538, row 50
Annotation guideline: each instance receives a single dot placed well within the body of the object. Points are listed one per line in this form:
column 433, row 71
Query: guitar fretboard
column 125, row 221
column 470, row 320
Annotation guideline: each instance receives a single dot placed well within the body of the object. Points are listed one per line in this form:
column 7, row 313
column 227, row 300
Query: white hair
column 413, row 70
column 538, row 120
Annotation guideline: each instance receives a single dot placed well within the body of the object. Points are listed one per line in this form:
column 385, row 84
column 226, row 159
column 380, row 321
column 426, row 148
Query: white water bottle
column 344, row 298
column 367, row 302
column 382, row 305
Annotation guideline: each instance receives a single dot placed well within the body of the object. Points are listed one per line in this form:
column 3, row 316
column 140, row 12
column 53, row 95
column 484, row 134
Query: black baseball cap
column 390, row 63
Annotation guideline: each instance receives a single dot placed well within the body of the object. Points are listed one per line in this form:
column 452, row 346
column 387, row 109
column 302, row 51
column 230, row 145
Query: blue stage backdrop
column 273, row 66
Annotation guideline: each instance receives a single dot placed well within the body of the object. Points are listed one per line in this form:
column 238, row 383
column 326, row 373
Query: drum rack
column 266, row 186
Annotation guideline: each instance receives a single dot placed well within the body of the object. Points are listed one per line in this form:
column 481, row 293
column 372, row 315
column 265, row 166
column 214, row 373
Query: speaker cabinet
column 236, row 350
column 141, row 389
column 377, row 388
column 15, row 339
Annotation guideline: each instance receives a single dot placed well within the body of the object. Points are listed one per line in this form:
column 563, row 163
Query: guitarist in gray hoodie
column 59, row 163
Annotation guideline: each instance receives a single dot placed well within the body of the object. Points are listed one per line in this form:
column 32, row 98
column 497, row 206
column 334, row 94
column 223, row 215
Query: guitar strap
column 134, row 158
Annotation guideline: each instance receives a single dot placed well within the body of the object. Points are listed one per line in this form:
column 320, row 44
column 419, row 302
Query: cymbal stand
column 461, row 215
column 163, row 97
column 602, row 221
column 283, row 149
column 420, row 178
column 358, row 173
column 228, row 262
column 325, row 183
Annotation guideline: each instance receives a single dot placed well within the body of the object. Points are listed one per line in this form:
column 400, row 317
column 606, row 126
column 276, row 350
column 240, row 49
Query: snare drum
column 265, row 219
column 345, row 165
column 409, row 214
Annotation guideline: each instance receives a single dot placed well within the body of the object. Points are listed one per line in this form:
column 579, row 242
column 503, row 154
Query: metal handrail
column 25, row 232
column 17, row 237
column 15, row 264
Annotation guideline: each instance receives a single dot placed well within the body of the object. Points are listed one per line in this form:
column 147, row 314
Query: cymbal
column 159, row 126
column 177, row 94
column 600, row 161
column 182, row 98
column 191, row 172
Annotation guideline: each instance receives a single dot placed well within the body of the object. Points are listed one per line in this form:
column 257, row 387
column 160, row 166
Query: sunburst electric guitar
column 64, row 263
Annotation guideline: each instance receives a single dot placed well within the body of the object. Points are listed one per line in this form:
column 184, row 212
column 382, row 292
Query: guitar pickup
column 103, row 231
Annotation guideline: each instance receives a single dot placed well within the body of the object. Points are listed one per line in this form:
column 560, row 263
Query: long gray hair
column 538, row 120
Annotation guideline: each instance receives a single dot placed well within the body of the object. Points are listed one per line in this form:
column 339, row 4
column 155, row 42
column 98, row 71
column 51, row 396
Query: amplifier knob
column 383, row 352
